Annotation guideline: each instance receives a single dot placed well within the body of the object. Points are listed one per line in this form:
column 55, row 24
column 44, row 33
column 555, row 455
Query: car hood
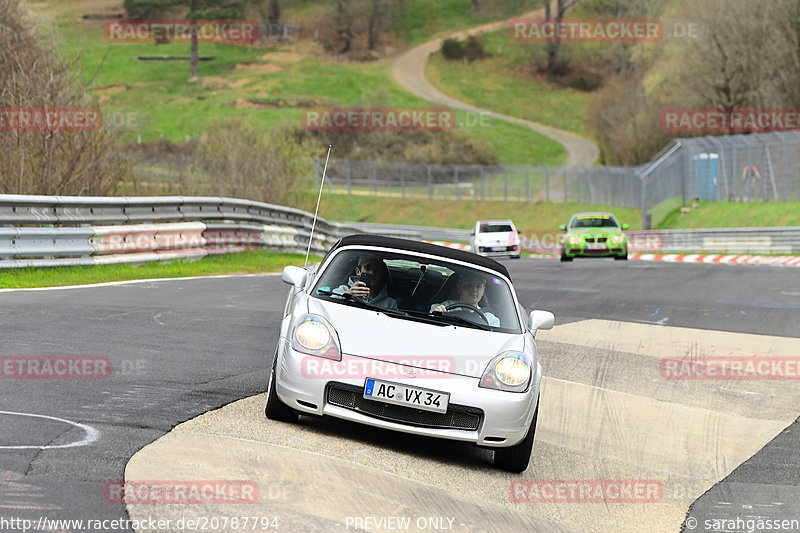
column 591, row 232
column 375, row 335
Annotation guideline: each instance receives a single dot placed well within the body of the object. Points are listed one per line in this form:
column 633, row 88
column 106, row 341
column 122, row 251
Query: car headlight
column 574, row 239
column 616, row 239
column 509, row 371
column 313, row 335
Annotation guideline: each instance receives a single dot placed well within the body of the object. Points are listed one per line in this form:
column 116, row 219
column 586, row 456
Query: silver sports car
column 411, row 337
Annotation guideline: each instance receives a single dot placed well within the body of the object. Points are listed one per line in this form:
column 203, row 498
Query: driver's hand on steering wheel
column 440, row 308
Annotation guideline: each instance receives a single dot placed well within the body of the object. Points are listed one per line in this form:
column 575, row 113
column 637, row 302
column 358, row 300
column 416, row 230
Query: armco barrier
column 135, row 238
column 70, row 230
column 772, row 241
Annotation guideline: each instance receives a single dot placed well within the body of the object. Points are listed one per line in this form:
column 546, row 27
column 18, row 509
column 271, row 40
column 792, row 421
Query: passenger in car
column 373, row 293
column 470, row 291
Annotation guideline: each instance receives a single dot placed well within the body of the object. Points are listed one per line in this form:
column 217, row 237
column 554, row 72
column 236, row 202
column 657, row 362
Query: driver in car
column 470, row 291
column 369, row 283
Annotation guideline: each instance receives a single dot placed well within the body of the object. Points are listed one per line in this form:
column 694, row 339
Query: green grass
column 421, row 20
column 496, row 83
column 463, row 214
column 248, row 262
column 734, row 215
column 417, row 21
column 165, row 104
column 458, row 214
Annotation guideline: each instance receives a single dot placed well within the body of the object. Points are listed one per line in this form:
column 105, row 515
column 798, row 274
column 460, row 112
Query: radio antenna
column 313, row 224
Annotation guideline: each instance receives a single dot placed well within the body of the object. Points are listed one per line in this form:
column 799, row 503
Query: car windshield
column 495, row 228
column 594, row 221
column 429, row 289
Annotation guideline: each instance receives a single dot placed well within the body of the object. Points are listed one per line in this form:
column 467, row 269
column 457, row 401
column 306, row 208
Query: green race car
column 593, row 235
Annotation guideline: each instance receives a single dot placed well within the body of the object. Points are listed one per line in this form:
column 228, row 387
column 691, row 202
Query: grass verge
column 272, row 84
column 734, row 215
column 255, row 262
column 459, row 214
column 498, row 83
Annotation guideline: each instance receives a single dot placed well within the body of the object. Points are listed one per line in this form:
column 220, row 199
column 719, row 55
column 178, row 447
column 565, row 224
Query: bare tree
column 376, row 23
column 555, row 64
column 344, row 25
column 274, row 11
column 50, row 161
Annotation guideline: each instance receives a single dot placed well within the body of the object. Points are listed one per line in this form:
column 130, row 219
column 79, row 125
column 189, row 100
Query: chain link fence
column 761, row 167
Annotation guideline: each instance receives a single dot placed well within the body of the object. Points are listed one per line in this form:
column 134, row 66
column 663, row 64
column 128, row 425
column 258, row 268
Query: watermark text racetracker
column 67, row 367
column 601, row 30
column 390, row 119
column 92, row 525
column 747, row 120
column 67, row 119
column 586, row 491
column 571, row 30
column 168, row 492
column 732, row 368
column 207, row 31
column 50, row 119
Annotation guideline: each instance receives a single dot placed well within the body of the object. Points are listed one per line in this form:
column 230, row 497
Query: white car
column 411, row 337
column 496, row 238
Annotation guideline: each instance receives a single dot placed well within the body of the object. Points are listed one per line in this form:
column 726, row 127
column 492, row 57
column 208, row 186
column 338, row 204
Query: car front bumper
column 487, row 251
column 505, row 418
column 580, row 250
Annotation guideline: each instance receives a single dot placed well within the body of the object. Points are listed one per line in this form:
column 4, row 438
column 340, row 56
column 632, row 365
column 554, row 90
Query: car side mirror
column 540, row 320
column 294, row 276
column 472, row 233
column 625, row 226
column 563, row 227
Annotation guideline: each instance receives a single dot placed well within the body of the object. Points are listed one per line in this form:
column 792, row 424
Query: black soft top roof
column 421, row 247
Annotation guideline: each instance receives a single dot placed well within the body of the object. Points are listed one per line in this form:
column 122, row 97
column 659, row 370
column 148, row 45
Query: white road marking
column 91, row 434
column 135, row 281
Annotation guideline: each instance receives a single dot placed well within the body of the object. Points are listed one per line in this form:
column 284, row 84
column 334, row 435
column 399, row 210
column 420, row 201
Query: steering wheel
column 469, row 308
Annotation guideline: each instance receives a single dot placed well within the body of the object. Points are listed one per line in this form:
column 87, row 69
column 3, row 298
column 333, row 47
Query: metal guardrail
column 51, row 230
column 72, row 230
column 775, row 241
column 737, row 168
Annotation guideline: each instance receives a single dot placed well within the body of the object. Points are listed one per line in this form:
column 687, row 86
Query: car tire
column 515, row 257
column 275, row 408
column 516, row 458
column 621, row 257
column 565, row 257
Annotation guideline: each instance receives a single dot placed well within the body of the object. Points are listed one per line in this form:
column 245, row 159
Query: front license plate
column 595, row 246
column 425, row 399
column 499, row 249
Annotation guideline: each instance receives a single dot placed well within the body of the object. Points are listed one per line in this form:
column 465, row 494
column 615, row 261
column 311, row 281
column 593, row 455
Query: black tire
column 564, row 257
column 621, row 257
column 275, row 408
column 515, row 257
column 516, row 458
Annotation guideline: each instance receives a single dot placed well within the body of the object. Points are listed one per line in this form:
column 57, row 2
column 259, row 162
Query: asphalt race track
column 723, row 451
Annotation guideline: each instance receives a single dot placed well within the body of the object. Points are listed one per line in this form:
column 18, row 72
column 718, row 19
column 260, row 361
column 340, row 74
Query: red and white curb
column 781, row 261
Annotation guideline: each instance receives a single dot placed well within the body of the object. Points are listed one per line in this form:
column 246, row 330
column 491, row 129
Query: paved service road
column 180, row 348
column 409, row 71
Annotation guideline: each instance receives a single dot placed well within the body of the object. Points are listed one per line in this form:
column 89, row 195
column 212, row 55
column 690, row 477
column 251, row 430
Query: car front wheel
column 275, row 408
column 516, row 458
